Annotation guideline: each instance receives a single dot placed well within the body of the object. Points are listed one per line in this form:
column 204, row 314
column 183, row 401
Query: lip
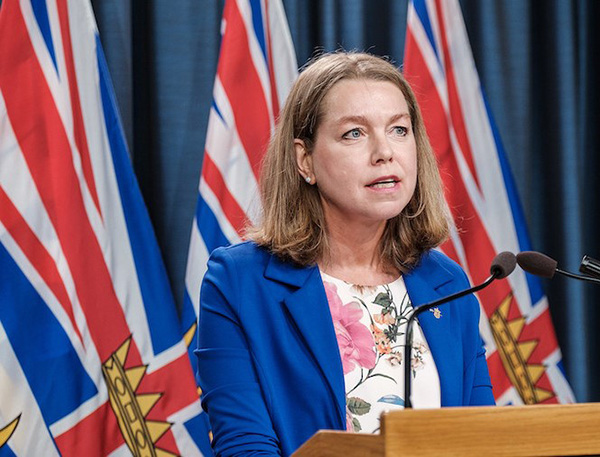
column 388, row 178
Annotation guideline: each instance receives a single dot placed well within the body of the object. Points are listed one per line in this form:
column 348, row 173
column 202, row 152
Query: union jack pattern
column 256, row 69
column 91, row 356
column 523, row 354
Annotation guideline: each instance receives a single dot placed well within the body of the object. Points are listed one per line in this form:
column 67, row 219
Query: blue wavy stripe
column 421, row 10
column 158, row 301
column 56, row 376
column 40, row 12
column 535, row 287
column 209, row 227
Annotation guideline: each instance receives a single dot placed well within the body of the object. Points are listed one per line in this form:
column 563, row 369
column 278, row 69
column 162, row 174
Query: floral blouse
column 370, row 327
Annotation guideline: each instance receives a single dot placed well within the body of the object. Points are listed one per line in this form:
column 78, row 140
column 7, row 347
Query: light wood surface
column 328, row 443
column 536, row 430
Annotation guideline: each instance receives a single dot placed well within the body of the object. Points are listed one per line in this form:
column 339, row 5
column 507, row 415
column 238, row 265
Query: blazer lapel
column 308, row 308
column 429, row 281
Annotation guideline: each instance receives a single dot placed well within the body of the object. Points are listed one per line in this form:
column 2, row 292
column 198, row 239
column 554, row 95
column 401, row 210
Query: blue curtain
column 538, row 65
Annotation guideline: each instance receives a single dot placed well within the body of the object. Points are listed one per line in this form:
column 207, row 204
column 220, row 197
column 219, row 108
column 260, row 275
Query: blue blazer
column 268, row 360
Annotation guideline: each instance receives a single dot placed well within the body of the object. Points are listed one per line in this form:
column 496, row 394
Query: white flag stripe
column 215, row 205
column 282, row 48
column 196, row 266
column 234, row 167
column 557, row 377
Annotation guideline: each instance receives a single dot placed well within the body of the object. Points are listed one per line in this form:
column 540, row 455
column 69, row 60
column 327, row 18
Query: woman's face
column 364, row 160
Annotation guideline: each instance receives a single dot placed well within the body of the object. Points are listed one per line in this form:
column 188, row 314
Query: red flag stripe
column 177, row 382
column 245, row 93
column 90, row 435
column 232, row 210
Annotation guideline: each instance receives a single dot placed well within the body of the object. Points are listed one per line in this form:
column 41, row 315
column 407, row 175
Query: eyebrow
column 359, row 119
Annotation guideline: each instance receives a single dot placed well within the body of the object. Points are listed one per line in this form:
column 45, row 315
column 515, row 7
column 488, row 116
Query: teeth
column 383, row 185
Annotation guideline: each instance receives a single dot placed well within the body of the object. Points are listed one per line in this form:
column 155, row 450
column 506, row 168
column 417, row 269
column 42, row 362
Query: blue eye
column 352, row 134
column 401, row 131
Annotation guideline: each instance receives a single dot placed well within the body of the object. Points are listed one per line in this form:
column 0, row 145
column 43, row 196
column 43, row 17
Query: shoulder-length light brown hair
column 293, row 224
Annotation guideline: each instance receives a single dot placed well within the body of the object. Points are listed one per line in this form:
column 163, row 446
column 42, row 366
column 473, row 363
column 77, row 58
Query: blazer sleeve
column 481, row 390
column 478, row 392
column 231, row 392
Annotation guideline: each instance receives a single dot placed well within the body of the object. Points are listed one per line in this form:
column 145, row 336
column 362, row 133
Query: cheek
column 409, row 163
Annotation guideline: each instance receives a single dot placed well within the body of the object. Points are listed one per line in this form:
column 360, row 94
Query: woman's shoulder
column 436, row 260
column 240, row 253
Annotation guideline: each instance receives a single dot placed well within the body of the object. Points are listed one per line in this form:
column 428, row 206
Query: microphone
column 502, row 265
column 589, row 266
column 541, row 265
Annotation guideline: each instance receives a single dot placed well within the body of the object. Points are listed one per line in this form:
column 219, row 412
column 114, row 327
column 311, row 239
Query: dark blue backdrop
column 537, row 62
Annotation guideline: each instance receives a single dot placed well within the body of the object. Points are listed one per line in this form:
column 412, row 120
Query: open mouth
column 386, row 184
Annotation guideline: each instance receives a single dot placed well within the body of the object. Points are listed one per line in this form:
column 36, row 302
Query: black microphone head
column 503, row 265
column 537, row 263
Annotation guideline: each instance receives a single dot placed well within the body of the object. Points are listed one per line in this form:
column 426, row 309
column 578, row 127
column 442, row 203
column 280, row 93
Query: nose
column 382, row 149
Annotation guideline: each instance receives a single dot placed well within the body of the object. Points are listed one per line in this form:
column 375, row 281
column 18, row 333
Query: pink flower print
column 354, row 339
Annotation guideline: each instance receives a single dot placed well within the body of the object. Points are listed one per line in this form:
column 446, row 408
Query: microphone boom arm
column 576, row 276
column 409, row 333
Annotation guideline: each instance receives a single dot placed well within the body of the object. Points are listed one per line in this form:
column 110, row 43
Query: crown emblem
column 131, row 408
column 515, row 354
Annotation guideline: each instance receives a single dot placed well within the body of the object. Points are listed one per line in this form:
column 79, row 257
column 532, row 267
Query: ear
column 304, row 161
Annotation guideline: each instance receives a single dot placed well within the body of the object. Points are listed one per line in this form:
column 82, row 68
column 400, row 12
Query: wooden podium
column 540, row 430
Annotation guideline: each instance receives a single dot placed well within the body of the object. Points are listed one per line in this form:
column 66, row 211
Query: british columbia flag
column 256, row 69
column 92, row 362
column 522, row 351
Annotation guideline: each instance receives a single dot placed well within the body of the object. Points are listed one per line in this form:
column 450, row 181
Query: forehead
column 363, row 97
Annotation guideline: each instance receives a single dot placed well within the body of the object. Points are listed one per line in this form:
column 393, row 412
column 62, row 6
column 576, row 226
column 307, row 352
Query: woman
column 302, row 328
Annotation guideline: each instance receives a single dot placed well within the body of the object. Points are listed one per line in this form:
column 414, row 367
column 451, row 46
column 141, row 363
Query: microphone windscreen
column 537, row 263
column 503, row 264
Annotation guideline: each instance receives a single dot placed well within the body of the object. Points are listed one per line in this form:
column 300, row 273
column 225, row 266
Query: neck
column 353, row 254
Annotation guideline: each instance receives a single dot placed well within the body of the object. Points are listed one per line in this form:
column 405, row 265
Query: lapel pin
column 436, row 312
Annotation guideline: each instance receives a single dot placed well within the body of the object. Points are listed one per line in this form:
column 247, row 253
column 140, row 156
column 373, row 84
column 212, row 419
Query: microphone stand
column 590, row 266
column 576, row 276
column 409, row 333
